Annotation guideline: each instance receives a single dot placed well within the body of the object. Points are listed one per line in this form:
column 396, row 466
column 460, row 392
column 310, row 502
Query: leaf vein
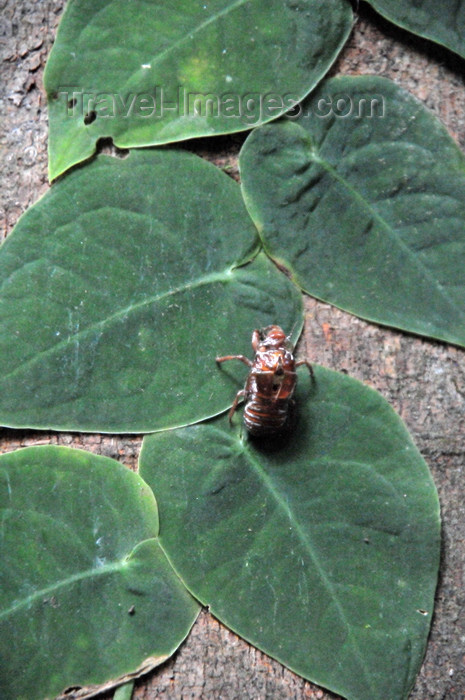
column 308, row 545
column 53, row 588
column 416, row 261
column 211, row 278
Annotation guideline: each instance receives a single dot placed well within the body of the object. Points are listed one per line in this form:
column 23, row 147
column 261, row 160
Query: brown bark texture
column 423, row 380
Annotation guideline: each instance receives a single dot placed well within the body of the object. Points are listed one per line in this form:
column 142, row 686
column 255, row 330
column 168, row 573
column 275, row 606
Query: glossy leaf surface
column 152, row 71
column 443, row 22
column 86, row 593
column 321, row 550
column 363, row 198
column 119, row 288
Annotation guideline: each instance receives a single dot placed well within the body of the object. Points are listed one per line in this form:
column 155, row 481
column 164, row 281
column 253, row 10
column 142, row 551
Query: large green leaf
column 119, row 288
column 86, row 592
column 156, row 71
column 323, row 550
column 443, row 22
column 363, row 198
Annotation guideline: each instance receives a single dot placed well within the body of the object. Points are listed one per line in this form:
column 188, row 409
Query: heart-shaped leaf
column 321, row 550
column 363, row 198
column 86, row 592
column 146, row 72
column 119, row 288
column 442, row 22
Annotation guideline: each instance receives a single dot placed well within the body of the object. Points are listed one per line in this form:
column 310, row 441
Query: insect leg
column 240, row 395
column 256, row 337
column 242, row 358
column 308, row 365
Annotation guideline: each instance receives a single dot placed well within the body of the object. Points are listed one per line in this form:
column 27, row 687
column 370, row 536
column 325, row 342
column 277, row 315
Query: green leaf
column 322, row 550
column 124, row 692
column 363, row 198
column 147, row 72
column 442, row 22
column 86, row 592
column 119, row 288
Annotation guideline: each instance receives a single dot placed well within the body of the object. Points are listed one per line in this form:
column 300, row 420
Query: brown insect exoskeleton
column 271, row 382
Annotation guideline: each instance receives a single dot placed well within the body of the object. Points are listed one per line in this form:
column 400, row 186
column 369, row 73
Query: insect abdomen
column 262, row 417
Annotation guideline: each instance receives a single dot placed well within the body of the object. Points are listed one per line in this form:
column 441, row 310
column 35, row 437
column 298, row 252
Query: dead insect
column 270, row 384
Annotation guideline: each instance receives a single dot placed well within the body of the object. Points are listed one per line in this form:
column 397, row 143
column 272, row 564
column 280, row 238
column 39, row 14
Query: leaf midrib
column 223, row 13
column 211, row 278
column 54, row 587
column 181, row 40
column 308, row 546
column 195, row 30
column 417, row 263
